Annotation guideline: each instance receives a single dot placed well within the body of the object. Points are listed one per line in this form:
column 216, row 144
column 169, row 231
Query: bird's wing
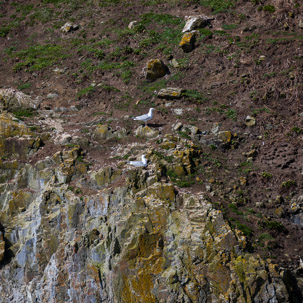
column 136, row 163
column 143, row 117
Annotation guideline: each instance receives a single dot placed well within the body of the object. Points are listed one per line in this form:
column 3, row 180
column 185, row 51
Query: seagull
column 145, row 117
column 142, row 163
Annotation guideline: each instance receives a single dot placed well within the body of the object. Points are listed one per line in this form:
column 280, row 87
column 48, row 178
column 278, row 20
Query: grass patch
column 38, row 57
column 229, row 26
column 218, row 6
column 23, row 113
column 86, row 92
column 195, row 96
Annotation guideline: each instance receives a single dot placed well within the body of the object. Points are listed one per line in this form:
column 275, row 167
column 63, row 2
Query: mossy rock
column 155, row 69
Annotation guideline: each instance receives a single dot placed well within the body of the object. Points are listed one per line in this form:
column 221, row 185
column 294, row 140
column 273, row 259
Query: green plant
column 266, row 175
column 265, row 236
column 23, row 113
column 275, row 225
column 232, row 114
column 38, row 57
column 289, row 183
column 86, row 92
column 195, row 96
column 229, row 26
column 234, row 209
column 269, row 8
column 218, row 6
column 23, row 86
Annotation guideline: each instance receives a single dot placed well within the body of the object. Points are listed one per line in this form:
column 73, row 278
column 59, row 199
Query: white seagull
column 145, row 117
column 142, row 163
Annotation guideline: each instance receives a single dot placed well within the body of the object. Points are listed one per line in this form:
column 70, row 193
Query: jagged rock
column 105, row 176
column 194, row 22
column 187, row 42
column 103, row 131
column 11, row 99
column 146, row 132
column 170, row 93
column 250, row 121
column 69, row 27
column 155, row 69
column 16, row 139
column 300, row 24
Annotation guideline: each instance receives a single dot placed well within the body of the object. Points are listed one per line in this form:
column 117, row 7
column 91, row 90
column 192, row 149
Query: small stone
column 69, row 27
column 177, row 126
column 300, row 24
column 52, row 96
column 170, row 93
column 194, row 22
column 250, row 121
column 155, row 69
column 59, row 71
column 174, row 63
column 187, row 42
column 132, row 24
column 178, row 111
column 215, row 128
column 261, row 58
column 225, row 136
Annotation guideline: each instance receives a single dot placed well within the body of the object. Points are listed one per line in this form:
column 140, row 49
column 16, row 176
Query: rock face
column 141, row 241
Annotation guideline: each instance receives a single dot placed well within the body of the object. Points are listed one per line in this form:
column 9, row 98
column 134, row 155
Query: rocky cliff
column 214, row 216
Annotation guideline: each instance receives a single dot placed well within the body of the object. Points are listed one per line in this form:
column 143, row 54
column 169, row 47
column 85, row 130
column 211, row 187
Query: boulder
column 187, row 42
column 11, row 99
column 194, row 22
column 146, row 132
column 155, row 69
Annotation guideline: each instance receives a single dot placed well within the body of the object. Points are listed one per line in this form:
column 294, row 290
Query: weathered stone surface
column 194, row 22
column 170, row 93
column 11, row 99
column 155, row 69
column 103, row 132
column 187, row 42
column 129, row 243
column 146, row 132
